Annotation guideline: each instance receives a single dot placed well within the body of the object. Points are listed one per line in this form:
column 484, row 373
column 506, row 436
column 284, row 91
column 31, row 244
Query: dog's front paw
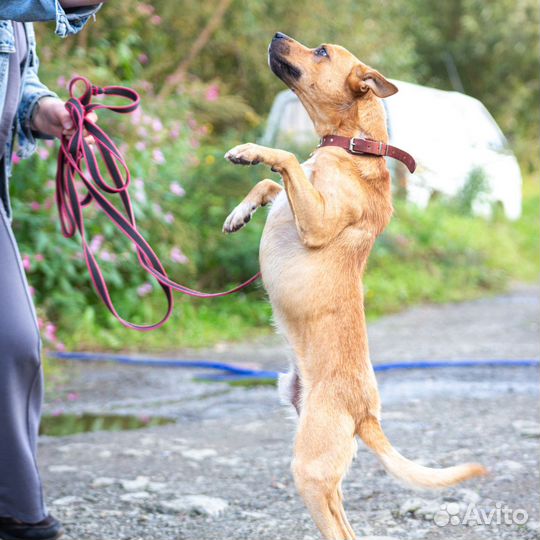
column 244, row 154
column 239, row 217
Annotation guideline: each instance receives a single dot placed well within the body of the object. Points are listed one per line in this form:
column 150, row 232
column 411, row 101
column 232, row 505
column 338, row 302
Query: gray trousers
column 21, row 387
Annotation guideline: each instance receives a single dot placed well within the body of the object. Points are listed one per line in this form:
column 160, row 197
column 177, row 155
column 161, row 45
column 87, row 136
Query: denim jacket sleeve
column 32, row 91
column 68, row 21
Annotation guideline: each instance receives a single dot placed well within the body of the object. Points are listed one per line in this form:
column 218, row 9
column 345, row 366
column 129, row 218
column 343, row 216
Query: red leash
column 77, row 158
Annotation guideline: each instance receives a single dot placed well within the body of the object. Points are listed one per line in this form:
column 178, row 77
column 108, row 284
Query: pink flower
column 32, row 291
column 43, row 153
column 26, row 262
column 72, row 396
column 169, row 218
column 107, row 256
column 96, row 243
column 140, row 195
column 157, row 125
column 143, row 58
column 158, row 157
column 145, row 9
column 15, row 159
column 144, row 289
column 35, row 206
column 136, row 116
column 177, row 256
column 175, row 131
column 212, row 93
column 50, row 332
column 39, row 257
column 147, row 86
column 155, row 19
column 177, row 189
column 49, row 143
column 140, row 146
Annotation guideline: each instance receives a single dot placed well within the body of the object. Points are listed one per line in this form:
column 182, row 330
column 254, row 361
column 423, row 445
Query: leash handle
column 77, row 158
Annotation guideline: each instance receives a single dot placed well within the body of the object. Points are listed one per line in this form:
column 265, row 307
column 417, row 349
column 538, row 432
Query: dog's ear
column 361, row 80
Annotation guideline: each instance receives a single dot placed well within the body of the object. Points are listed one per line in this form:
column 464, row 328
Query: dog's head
column 329, row 81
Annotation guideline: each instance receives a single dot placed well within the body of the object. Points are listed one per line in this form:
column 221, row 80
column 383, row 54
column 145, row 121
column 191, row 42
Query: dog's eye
column 321, row 51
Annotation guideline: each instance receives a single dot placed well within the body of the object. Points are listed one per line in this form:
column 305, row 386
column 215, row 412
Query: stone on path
column 62, row 469
column 198, row 454
column 527, row 428
column 134, row 452
column 468, row 496
column 379, row 538
column 67, row 500
column 103, row 481
column 135, row 496
column 410, row 506
column 140, row 483
column 199, row 504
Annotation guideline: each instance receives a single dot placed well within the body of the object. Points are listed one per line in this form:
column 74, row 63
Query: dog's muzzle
column 278, row 50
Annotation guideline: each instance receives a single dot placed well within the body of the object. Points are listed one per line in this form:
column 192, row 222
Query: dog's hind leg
column 263, row 193
column 324, row 449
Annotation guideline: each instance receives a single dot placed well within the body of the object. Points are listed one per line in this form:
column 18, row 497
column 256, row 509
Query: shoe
column 47, row 529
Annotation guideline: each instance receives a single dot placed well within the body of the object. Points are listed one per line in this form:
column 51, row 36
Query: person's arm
column 41, row 114
column 70, row 15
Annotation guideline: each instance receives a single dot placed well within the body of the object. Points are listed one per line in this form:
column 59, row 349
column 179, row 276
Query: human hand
column 51, row 118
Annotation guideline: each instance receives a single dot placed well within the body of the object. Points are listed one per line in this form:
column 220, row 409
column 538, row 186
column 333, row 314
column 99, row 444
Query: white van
column 449, row 134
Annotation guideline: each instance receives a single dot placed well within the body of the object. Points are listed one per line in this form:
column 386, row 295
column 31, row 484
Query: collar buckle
column 352, row 149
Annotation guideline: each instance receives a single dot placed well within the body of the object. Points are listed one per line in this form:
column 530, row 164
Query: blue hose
column 238, row 373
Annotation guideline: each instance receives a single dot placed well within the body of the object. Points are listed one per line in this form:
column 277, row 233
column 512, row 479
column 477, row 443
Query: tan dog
column 314, row 249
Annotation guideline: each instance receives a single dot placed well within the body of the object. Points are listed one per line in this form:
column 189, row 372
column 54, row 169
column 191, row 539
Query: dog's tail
column 370, row 431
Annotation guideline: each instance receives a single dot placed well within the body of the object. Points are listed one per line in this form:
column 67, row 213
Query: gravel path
column 222, row 470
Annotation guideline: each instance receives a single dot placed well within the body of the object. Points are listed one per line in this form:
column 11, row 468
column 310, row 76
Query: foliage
column 475, row 186
column 197, row 104
column 494, row 49
column 490, row 49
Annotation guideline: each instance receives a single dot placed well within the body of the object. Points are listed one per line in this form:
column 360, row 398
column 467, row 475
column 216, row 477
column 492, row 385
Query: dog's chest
column 281, row 250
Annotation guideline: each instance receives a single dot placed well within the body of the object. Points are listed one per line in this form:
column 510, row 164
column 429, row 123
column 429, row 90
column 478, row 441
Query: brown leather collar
column 366, row 146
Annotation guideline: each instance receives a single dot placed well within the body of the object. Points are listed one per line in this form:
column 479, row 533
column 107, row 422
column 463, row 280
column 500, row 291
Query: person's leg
column 21, row 388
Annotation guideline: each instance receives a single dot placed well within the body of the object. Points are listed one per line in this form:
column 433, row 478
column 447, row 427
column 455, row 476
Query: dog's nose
column 280, row 35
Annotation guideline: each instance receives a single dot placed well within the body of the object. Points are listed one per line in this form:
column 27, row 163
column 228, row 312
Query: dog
column 319, row 232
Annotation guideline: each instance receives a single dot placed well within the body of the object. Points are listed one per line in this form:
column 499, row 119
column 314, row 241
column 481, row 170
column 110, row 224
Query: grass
column 437, row 255
column 443, row 255
column 194, row 323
